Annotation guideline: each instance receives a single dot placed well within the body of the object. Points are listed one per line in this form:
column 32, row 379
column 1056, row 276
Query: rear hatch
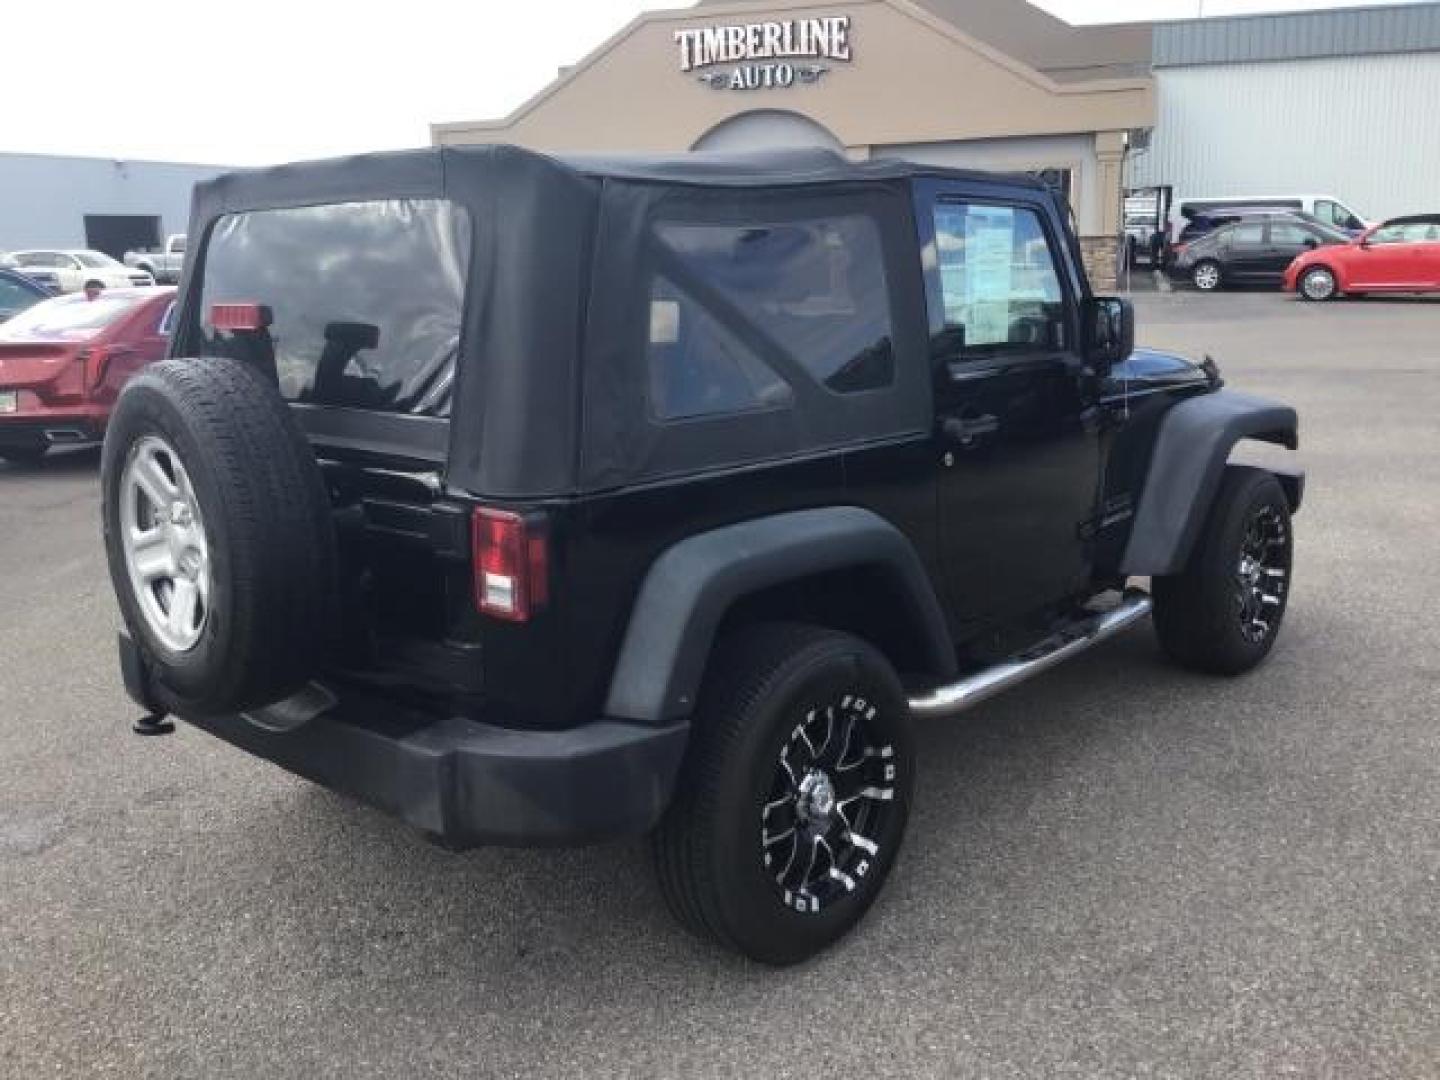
column 355, row 310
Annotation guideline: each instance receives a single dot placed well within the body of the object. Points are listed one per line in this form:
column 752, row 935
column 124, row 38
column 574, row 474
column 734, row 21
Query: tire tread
column 1192, row 617
column 746, row 669
column 269, row 508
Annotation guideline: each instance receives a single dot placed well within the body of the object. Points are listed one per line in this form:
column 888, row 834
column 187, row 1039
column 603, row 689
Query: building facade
column 991, row 84
column 76, row 202
column 1330, row 102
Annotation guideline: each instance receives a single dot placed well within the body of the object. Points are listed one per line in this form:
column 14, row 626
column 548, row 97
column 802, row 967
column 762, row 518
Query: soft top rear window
column 365, row 299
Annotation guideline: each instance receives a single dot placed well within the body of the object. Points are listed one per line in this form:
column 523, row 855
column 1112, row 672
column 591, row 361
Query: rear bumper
column 463, row 781
column 57, row 427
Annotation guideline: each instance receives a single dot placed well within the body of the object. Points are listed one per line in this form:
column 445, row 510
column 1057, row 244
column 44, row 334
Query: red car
column 1402, row 255
column 63, row 362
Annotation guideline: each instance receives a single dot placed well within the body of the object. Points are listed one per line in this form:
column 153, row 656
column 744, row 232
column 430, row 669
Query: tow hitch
column 137, row 684
column 153, row 724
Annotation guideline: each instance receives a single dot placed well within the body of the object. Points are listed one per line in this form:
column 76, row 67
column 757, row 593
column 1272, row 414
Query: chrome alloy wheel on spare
column 1262, row 575
column 832, row 787
column 162, row 534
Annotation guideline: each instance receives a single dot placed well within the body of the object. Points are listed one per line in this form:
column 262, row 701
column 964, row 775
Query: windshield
column 97, row 259
column 67, row 318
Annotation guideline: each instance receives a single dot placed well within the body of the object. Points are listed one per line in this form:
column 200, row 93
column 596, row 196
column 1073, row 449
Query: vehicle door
column 1390, row 258
column 1284, row 241
column 1016, row 404
column 1430, row 255
column 1247, row 253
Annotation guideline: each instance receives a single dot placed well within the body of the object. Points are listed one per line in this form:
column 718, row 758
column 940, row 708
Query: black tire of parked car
column 788, row 713
column 23, row 455
column 1222, row 613
column 1206, row 275
column 267, row 524
column 1318, row 283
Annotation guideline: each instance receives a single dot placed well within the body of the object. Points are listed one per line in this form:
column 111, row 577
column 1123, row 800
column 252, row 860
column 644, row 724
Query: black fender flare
column 692, row 584
column 1189, row 459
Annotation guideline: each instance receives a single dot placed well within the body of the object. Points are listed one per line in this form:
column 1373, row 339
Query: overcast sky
column 277, row 80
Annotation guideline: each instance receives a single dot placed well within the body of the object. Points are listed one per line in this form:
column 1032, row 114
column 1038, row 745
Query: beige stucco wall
column 1073, row 152
column 916, row 87
column 913, row 79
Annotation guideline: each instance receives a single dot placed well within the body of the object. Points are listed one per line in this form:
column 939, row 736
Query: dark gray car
column 1254, row 250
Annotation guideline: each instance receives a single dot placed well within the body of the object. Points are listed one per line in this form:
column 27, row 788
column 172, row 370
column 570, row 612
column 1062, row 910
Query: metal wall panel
column 1347, row 32
column 1360, row 128
column 45, row 198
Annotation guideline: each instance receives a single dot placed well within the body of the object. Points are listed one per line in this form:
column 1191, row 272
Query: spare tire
column 219, row 536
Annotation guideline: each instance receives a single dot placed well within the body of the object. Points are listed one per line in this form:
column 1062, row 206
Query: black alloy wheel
column 791, row 805
column 1222, row 612
column 832, row 790
column 1263, row 574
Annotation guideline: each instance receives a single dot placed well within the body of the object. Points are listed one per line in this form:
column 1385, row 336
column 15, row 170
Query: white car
column 1328, row 209
column 71, row 270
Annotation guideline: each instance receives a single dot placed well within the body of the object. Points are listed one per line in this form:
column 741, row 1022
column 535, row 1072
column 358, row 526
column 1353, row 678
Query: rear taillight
column 512, row 564
column 93, row 360
column 240, row 317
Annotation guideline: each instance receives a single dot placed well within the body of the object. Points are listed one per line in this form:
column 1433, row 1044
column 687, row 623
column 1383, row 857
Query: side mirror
column 1109, row 332
column 1312, row 243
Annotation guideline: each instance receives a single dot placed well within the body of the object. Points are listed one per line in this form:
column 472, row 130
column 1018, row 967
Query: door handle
column 966, row 430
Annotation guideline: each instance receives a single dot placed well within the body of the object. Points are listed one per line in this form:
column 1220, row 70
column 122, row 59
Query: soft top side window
column 741, row 314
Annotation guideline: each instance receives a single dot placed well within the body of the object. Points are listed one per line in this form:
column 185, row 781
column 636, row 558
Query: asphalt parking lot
column 1118, row 870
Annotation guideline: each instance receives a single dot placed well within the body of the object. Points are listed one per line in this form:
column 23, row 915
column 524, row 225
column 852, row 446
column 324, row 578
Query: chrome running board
column 958, row 696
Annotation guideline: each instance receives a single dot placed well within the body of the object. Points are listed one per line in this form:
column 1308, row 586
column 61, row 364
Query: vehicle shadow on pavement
column 57, row 463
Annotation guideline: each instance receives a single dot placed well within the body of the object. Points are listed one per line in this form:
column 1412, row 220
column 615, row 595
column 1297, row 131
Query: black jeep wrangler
column 546, row 500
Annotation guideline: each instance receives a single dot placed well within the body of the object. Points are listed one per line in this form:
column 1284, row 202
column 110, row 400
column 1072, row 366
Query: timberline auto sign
column 762, row 56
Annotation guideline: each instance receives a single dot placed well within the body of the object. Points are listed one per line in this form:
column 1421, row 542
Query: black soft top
column 449, row 168
column 547, row 231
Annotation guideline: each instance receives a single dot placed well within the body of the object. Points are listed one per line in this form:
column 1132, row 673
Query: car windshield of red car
column 67, row 318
